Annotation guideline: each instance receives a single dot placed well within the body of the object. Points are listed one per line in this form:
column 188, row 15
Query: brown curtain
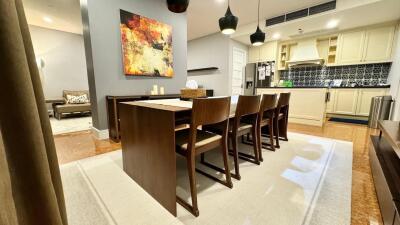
column 30, row 184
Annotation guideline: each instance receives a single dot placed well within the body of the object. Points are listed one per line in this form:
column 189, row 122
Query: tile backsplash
column 365, row 74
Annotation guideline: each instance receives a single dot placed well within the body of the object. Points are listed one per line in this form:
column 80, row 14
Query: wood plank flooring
column 365, row 209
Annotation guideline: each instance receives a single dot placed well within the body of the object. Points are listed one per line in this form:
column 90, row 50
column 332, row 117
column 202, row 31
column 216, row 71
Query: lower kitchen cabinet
column 364, row 100
column 352, row 102
column 345, row 101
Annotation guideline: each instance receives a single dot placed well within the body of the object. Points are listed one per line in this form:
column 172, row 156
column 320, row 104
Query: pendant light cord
column 258, row 15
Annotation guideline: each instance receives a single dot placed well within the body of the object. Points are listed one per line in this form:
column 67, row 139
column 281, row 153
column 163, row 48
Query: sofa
column 69, row 107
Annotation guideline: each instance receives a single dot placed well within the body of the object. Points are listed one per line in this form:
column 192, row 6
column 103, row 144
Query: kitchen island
column 311, row 105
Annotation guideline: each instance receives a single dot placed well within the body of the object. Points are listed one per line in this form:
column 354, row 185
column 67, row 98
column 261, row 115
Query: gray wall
column 64, row 58
column 107, row 76
column 209, row 51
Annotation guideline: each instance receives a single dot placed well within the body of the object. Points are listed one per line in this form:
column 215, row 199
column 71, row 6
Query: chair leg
column 255, row 145
column 192, row 180
column 271, row 132
column 224, row 151
column 276, row 132
column 259, row 143
column 235, row 157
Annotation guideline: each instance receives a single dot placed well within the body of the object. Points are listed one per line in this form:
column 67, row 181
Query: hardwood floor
column 364, row 206
column 80, row 145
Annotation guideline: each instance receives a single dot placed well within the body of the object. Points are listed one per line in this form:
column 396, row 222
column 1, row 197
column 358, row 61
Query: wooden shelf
column 202, row 69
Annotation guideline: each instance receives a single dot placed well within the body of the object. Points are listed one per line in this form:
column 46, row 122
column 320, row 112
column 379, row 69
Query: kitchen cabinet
column 265, row 52
column 345, row 101
column 254, row 54
column 369, row 45
column 268, row 51
column 378, row 44
column 351, row 47
column 331, row 103
column 364, row 100
column 352, row 101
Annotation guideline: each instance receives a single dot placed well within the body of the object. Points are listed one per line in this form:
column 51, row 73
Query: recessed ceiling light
column 220, row 1
column 276, row 36
column 47, row 19
column 332, row 24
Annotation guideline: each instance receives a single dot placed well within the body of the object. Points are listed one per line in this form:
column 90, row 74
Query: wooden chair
column 281, row 118
column 266, row 118
column 247, row 109
column 192, row 141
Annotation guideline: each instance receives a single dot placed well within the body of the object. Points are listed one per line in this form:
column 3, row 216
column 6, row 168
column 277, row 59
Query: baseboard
column 100, row 134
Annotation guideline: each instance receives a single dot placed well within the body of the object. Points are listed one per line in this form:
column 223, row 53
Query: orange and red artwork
column 146, row 46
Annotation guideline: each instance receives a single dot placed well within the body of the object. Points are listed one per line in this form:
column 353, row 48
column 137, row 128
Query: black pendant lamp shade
column 258, row 37
column 228, row 23
column 177, row 6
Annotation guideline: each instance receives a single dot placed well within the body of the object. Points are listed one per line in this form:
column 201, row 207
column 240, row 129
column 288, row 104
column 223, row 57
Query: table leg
column 148, row 150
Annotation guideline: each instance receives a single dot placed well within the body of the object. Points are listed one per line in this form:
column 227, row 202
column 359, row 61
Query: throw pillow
column 77, row 99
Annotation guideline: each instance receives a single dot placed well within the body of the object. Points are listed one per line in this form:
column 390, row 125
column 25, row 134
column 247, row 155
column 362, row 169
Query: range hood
column 305, row 54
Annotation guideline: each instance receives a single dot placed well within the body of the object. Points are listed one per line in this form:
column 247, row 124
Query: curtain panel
column 30, row 184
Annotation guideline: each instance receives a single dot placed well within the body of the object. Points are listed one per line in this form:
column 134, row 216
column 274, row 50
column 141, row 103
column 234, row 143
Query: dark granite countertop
column 384, row 86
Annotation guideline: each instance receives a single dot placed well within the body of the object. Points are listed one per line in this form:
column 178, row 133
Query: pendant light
column 229, row 22
column 258, row 37
column 177, row 6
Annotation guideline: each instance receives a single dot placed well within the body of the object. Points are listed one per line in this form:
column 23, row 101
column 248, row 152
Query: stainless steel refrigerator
column 258, row 75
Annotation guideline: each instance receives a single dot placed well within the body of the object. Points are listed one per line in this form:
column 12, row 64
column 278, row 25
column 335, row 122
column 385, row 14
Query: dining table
column 148, row 144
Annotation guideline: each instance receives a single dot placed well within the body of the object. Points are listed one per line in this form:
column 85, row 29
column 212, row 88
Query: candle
column 162, row 91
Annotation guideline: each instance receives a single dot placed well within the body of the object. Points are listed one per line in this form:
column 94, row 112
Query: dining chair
column 281, row 118
column 193, row 141
column 266, row 118
column 243, row 122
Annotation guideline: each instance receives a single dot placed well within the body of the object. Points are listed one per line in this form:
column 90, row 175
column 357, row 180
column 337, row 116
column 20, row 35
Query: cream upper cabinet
column 345, row 101
column 351, row 47
column 366, row 46
column 331, row 103
column 254, row 54
column 378, row 44
column 364, row 100
column 268, row 51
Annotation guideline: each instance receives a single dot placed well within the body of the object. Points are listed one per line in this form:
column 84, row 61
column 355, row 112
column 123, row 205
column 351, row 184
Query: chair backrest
column 247, row 105
column 284, row 99
column 207, row 111
column 268, row 105
column 268, row 102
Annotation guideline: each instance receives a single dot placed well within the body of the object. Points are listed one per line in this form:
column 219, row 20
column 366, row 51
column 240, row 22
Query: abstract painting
column 146, row 46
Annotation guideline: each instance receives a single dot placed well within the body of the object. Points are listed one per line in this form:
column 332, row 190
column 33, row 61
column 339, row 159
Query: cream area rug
column 306, row 181
column 68, row 125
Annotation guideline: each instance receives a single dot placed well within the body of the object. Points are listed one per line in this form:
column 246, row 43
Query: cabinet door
column 364, row 100
column 268, row 51
column 254, row 54
column 378, row 44
column 330, row 105
column 346, row 101
column 351, row 47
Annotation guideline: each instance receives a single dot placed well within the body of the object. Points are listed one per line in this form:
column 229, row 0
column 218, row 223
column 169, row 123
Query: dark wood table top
column 391, row 131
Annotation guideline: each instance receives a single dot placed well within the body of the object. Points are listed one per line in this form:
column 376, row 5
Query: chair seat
column 218, row 129
column 202, row 138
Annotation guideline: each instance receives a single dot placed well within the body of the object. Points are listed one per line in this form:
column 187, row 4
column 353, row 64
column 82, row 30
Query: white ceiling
column 66, row 14
column 203, row 15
